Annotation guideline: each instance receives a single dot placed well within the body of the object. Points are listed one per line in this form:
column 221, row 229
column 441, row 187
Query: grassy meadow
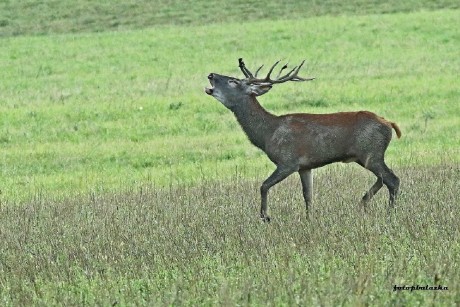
column 203, row 245
column 122, row 183
column 41, row 17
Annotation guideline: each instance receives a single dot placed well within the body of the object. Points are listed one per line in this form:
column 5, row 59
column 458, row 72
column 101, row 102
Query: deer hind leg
column 278, row 175
column 372, row 191
column 392, row 183
column 306, row 177
column 384, row 175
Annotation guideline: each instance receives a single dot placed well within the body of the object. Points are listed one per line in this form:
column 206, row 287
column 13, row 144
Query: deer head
column 230, row 91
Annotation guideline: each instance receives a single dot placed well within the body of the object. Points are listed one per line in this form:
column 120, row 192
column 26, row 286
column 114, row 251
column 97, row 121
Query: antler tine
column 297, row 78
column 292, row 75
column 267, row 78
column 243, row 68
column 302, row 79
column 287, row 75
column 282, row 68
column 258, row 69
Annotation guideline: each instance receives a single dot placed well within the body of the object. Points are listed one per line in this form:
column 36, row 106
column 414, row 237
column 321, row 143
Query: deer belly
column 324, row 151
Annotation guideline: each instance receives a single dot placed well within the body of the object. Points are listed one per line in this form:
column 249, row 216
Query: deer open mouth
column 210, row 90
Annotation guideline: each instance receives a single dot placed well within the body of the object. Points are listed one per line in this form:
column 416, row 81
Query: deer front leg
column 306, row 177
column 278, row 175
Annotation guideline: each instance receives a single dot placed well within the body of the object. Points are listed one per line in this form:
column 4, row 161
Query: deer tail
column 397, row 130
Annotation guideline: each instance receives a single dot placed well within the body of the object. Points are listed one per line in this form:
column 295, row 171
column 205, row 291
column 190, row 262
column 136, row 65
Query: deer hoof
column 265, row 219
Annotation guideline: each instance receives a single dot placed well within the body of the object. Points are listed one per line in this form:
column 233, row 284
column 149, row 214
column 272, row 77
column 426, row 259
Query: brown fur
column 397, row 130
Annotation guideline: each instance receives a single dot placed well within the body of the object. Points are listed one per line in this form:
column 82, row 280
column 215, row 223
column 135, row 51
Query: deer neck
column 258, row 124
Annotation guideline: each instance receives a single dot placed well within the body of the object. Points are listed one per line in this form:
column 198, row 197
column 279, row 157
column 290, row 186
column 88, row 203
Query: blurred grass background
column 27, row 17
column 91, row 111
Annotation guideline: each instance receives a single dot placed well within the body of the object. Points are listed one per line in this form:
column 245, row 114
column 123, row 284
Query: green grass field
column 27, row 17
column 204, row 245
column 123, row 183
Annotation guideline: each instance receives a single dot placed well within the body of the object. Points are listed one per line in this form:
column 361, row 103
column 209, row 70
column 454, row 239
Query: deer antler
column 245, row 71
column 290, row 76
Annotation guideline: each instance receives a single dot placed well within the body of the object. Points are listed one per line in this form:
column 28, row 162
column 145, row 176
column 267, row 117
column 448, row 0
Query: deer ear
column 260, row 89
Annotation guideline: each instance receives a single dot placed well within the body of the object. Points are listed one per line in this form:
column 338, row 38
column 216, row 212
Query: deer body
column 301, row 142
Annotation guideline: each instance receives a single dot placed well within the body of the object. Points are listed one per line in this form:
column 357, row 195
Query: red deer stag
column 302, row 142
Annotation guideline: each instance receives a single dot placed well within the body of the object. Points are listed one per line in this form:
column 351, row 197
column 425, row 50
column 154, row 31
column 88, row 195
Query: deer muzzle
column 209, row 90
